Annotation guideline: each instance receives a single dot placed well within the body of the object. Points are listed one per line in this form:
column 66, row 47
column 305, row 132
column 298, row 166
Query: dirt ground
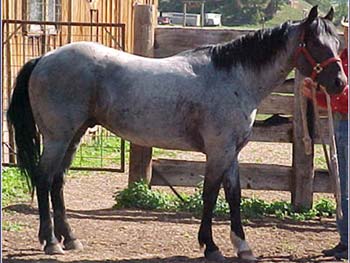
column 125, row 236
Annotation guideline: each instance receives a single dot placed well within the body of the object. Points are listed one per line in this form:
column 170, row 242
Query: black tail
column 20, row 116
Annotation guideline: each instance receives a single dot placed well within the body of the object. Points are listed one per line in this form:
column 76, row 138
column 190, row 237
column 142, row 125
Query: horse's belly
column 152, row 135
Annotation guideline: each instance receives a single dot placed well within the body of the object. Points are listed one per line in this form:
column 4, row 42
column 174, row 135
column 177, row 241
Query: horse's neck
column 263, row 82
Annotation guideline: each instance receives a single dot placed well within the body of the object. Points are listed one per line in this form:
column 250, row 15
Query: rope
column 332, row 163
column 168, row 184
column 9, row 147
column 306, row 138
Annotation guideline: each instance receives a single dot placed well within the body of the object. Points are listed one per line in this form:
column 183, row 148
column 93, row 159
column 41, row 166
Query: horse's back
column 167, row 99
column 85, row 81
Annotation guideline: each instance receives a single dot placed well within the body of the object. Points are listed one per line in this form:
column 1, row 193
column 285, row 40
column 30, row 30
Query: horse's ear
column 312, row 15
column 330, row 14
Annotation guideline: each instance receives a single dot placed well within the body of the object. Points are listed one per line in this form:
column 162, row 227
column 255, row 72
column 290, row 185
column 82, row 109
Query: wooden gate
column 24, row 40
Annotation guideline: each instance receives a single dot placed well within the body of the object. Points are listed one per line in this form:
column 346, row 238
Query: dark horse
column 200, row 100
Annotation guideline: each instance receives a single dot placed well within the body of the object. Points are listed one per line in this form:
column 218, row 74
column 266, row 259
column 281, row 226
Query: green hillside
column 288, row 13
column 259, row 13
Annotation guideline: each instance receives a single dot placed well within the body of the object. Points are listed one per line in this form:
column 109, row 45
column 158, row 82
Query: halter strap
column 316, row 67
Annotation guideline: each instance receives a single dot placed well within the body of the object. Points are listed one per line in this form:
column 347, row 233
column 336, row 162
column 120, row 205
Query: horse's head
column 317, row 52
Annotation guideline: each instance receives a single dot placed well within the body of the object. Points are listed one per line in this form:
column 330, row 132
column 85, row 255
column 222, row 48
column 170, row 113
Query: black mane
column 253, row 50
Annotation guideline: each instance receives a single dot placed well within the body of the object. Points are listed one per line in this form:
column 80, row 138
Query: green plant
column 139, row 195
column 102, row 151
column 12, row 226
column 14, row 186
column 193, row 203
column 325, row 207
column 253, row 207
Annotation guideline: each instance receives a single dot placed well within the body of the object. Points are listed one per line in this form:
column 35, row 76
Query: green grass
column 14, row 186
column 287, row 13
column 262, row 117
column 140, row 196
column 12, row 226
column 103, row 151
column 319, row 159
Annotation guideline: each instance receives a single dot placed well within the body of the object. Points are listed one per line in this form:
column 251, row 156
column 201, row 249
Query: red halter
column 316, row 67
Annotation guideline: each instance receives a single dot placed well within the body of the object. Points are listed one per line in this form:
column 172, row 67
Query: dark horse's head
column 317, row 53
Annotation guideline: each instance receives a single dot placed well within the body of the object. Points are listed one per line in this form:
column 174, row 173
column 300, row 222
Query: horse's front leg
column 233, row 197
column 216, row 165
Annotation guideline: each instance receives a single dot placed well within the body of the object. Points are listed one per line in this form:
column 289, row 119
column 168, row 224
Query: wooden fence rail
column 253, row 176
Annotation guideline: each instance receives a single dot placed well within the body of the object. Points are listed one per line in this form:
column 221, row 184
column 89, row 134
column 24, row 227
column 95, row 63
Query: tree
column 341, row 11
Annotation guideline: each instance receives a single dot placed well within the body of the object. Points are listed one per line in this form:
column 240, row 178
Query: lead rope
column 306, row 137
column 332, row 163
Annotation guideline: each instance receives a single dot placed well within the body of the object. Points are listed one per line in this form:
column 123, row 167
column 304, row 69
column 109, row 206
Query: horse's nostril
column 339, row 82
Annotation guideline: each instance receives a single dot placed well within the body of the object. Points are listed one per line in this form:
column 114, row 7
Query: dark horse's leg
column 49, row 166
column 233, row 197
column 216, row 165
column 62, row 229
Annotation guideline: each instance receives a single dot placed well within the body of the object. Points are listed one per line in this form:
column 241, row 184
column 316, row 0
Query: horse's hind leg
column 49, row 166
column 233, row 197
column 62, row 229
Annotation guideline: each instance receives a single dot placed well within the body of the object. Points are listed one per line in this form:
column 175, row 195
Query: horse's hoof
column 54, row 249
column 73, row 245
column 247, row 256
column 215, row 256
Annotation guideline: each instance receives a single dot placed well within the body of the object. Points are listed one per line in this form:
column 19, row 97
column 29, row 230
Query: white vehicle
column 178, row 18
column 212, row 19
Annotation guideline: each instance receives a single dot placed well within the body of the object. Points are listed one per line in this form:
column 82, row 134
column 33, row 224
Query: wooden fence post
column 184, row 16
column 303, row 167
column 144, row 26
column 140, row 167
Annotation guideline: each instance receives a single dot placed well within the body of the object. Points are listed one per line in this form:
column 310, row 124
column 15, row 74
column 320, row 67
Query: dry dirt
column 125, row 236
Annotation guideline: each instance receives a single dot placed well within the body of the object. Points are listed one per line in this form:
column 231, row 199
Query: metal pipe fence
column 24, row 40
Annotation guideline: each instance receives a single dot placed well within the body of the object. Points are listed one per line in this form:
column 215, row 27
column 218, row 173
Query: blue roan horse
column 200, row 100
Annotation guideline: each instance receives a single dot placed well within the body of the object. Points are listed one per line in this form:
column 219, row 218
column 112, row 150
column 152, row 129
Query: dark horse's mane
column 259, row 48
column 253, row 50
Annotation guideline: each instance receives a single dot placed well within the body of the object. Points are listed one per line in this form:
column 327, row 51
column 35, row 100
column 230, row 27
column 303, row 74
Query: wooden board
column 253, row 176
column 277, row 104
column 286, row 87
column 277, row 133
column 282, row 132
column 172, row 40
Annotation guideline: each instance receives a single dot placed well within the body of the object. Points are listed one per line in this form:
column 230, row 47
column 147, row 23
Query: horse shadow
column 181, row 259
column 137, row 215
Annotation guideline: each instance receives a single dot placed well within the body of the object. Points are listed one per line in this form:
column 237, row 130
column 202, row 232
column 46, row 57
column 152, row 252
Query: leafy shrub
column 193, row 203
column 253, row 207
column 139, row 195
column 325, row 207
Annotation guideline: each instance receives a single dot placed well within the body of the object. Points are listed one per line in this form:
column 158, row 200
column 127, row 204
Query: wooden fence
column 300, row 179
column 100, row 11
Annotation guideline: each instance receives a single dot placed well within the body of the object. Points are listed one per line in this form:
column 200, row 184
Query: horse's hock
column 301, row 179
